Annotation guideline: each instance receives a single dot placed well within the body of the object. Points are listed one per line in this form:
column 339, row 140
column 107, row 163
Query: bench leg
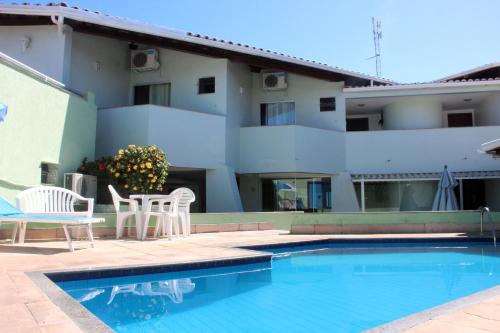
column 14, row 232
column 22, row 232
column 90, row 234
column 68, row 238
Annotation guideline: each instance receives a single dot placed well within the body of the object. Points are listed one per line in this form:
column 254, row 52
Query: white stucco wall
column 291, row 149
column 189, row 139
column 239, row 98
column 46, row 51
column 413, row 113
column 182, row 71
column 305, row 92
column 343, row 194
column 425, row 150
column 488, row 112
column 101, row 65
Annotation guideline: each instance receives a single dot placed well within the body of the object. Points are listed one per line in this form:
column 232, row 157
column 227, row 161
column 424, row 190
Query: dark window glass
column 206, row 85
column 327, row 104
column 460, row 119
column 356, row 124
column 141, row 95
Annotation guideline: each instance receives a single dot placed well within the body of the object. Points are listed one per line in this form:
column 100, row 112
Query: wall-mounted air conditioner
column 274, row 81
column 144, row 60
column 85, row 185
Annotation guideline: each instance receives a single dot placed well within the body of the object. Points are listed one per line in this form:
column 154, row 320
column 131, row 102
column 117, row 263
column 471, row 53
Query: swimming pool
column 321, row 288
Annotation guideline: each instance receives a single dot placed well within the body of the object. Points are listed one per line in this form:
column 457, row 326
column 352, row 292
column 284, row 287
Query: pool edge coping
column 424, row 316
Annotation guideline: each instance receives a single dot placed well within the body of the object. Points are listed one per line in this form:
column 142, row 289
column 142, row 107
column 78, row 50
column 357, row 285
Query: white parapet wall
column 425, row 150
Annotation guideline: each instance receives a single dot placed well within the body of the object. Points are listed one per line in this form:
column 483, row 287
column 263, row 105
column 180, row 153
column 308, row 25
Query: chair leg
column 119, row 227
column 159, row 223
column 145, row 225
column 68, row 238
column 188, row 224
column 90, row 234
column 175, row 222
column 168, row 226
column 138, row 219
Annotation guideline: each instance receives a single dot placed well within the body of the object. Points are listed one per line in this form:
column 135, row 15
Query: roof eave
column 140, row 27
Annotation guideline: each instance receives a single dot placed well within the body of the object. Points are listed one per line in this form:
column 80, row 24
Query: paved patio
column 25, row 308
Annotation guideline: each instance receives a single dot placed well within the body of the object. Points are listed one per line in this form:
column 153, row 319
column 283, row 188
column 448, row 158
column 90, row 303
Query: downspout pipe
column 59, row 21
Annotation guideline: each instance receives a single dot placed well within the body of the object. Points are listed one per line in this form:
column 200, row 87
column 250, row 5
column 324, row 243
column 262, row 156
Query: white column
column 362, row 195
column 461, row 186
column 222, row 191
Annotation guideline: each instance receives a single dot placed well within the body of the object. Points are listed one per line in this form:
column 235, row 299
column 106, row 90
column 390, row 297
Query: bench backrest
column 52, row 200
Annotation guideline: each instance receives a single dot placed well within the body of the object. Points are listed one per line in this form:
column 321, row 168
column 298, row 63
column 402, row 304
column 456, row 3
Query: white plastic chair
column 124, row 218
column 184, row 199
column 170, row 217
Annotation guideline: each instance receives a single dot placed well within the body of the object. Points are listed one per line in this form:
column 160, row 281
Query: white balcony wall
column 46, row 52
column 305, row 92
column 291, row 149
column 189, row 139
column 425, row 150
column 182, row 70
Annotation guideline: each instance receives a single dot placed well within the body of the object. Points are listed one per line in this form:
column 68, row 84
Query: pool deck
column 25, row 308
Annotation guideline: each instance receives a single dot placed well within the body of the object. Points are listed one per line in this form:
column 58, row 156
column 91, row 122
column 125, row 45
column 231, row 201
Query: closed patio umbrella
column 445, row 196
column 3, row 112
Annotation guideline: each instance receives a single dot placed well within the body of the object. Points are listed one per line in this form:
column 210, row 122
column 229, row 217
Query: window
column 307, row 194
column 48, row 173
column 460, row 119
column 156, row 94
column 282, row 113
column 206, row 85
column 356, row 124
column 327, row 104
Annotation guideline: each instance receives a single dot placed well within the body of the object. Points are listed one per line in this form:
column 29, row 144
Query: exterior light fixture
column 468, row 100
column 361, row 105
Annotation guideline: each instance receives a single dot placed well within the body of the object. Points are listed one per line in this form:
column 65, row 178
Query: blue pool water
column 326, row 288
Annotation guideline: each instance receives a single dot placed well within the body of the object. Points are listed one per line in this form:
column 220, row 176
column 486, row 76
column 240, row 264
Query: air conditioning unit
column 144, row 60
column 85, row 185
column 274, row 81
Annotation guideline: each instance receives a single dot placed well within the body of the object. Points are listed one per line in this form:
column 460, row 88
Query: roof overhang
column 423, row 88
column 491, row 148
column 90, row 22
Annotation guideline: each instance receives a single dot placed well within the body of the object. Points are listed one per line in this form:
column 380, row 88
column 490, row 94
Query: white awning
column 423, row 176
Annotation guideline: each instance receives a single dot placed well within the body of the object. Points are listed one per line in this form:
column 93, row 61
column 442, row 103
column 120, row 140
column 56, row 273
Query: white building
column 252, row 130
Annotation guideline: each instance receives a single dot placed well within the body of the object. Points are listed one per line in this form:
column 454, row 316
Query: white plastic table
column 145, row 199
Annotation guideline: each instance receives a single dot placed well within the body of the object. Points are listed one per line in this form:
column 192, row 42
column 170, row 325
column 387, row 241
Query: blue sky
column 422, row 39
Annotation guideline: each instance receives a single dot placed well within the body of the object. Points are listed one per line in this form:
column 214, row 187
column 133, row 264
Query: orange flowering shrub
column 137, row 169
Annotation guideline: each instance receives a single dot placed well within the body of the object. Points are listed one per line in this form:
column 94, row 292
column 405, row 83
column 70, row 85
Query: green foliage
column 95, row 168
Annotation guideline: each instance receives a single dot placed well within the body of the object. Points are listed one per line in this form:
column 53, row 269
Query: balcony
column 424, row 150
column 291, row 148
column 189, row 139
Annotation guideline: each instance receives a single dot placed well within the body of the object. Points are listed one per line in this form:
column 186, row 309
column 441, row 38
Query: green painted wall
column 45, row 124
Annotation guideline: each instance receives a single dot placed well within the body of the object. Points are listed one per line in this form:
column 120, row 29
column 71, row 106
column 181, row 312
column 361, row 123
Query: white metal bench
column 56, row 205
